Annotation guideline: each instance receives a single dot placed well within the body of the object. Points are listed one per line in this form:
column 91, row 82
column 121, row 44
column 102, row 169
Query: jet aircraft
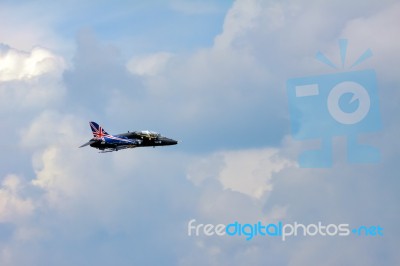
column 108, row 143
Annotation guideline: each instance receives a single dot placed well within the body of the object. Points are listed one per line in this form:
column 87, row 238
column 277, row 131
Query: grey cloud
column 98, row 73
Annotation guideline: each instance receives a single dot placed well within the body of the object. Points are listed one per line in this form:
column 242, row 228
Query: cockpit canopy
column 149, row 133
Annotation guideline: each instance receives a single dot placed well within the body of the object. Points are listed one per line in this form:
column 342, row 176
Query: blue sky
column 137, row 27
column 211, row 74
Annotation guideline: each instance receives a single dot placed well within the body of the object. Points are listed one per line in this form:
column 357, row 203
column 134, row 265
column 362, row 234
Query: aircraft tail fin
column 98, row 131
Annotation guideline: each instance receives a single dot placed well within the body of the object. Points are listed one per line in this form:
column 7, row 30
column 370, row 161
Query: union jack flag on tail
column 98, row 131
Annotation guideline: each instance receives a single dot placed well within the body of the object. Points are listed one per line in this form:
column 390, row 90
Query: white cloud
column 13, row 206
column 26, row 25
column 245, row 171
column 250, row 172
column 379, row 33
column 30, row 79
column 50, row 127
column 17, row 65
column 149, row 65
column 231, row 93
column 53, row 177
column 241, row 18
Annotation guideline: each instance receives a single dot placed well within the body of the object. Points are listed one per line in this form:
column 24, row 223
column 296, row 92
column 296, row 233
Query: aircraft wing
column 118, row 148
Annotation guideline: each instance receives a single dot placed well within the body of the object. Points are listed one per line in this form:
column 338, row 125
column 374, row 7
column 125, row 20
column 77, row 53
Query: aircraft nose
column 168, row 141
column 173, row 142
